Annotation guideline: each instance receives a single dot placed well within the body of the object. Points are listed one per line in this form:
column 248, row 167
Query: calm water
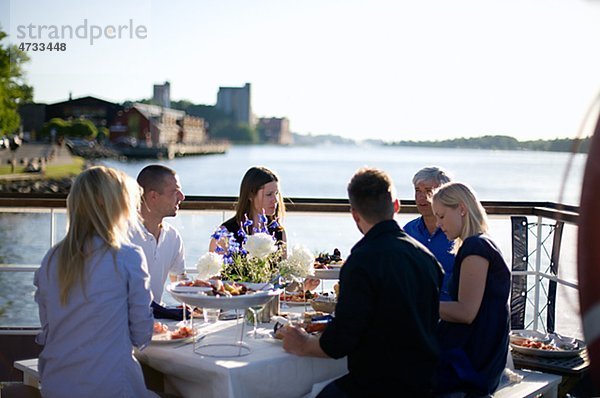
column 324, row 171
column 316, row 172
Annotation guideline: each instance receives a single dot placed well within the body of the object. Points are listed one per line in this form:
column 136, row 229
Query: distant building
column 154, row 126
column 33, row 117
column 236, row 101
column 162, row 95
column 101, row 113
column 274, row 130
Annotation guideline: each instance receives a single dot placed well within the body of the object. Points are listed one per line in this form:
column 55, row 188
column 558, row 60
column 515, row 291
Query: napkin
column 175, row 313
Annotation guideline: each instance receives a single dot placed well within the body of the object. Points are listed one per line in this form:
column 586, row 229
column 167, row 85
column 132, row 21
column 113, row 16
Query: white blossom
column 210, row 264
column 260, row 245
column 300, row 263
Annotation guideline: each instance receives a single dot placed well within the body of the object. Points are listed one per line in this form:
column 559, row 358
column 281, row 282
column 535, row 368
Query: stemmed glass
column 284, row 282
column 254, row 310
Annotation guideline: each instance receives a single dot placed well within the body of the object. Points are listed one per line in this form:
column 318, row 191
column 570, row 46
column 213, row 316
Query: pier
column 171, row 151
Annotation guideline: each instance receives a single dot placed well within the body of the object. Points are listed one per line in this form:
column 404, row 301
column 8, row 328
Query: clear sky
column 396, row 70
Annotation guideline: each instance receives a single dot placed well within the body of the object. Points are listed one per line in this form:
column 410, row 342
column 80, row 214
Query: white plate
column 327, row 273
column 295, row 303
column 189, row 289
column 257, row 286
column 165, row 339
column 519, row 335
column 547, row 353
column 225, row 302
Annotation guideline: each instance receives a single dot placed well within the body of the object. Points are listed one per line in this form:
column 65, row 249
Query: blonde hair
column 103, row 202
column 452, row 195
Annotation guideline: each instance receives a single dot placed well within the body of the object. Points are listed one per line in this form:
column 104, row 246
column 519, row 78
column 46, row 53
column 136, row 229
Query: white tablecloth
column 268, row 371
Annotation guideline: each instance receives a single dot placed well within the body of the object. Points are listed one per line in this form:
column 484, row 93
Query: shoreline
column 37, row 184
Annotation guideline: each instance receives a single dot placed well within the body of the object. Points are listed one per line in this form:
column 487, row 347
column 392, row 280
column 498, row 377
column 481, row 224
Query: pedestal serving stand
column 237, row 348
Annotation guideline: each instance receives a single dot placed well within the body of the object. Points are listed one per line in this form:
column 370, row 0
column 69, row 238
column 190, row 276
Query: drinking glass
column 211, row 315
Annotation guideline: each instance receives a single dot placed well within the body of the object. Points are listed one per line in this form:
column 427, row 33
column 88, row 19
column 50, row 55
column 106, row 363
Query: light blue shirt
column 88, row 343
column 439, row 245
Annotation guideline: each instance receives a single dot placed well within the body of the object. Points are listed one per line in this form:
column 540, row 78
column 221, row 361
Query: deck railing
column 535, row 272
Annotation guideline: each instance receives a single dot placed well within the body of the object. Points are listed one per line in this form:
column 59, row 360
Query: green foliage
column 237, row 133
column 251, row 269
column 77, row 128
column 502, row 142
column 13, row 90
column 82, row 128
column 213, row 116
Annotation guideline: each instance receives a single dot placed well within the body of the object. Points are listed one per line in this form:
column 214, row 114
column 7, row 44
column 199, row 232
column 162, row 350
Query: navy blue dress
column 474, row 356
column 273, row 228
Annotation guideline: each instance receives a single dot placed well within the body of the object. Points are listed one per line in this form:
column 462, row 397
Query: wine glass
column 284, row 282
column 254, row 311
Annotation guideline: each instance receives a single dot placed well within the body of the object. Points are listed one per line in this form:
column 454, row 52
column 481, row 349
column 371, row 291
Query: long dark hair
column 255, row 178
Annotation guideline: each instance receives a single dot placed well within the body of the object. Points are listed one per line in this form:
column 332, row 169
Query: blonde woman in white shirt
column 93, row 294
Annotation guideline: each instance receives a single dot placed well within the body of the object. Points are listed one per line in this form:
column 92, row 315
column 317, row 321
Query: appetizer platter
column 327, row 266
column 225, row 295
column 551, row 345
column 163, row 335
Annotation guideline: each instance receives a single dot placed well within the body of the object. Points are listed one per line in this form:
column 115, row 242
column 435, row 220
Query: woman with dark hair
column 259, row 208
column 260, row 205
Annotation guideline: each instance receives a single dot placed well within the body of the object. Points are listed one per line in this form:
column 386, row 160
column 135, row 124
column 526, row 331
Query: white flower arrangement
column 210, row 264
column 260, row 245
column 299, row 264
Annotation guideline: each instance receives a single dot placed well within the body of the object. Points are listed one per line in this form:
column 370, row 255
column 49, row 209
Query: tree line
column 502, row 142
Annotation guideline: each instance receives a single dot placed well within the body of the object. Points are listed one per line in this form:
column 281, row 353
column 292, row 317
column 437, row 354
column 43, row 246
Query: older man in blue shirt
column 424, row 229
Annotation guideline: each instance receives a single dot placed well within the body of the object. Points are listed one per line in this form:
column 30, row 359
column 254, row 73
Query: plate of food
column 226, row 296
column 549, row 345
column 324, row 303
column 333, row 273
column 163, row 335
column 196, row 286
column 298, row 298
column 329, row 261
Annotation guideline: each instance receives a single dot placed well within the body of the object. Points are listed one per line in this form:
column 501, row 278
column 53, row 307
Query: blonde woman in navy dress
column 473, row 333
column 93, row 294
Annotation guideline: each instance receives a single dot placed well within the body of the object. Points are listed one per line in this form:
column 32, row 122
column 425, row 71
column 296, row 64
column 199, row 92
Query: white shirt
column 164, row 257
column 88, row 342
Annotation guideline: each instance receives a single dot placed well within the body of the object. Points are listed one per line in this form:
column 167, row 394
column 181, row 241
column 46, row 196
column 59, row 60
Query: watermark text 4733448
column 36, row 34
column 44, row 46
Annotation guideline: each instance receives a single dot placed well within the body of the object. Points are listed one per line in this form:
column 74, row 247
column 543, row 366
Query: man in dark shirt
column 387, row 310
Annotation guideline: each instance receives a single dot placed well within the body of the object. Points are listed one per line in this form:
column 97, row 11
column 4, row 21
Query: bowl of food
column 324, row 304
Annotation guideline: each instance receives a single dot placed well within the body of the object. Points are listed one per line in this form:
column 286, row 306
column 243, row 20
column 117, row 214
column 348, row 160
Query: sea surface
column 318, row 172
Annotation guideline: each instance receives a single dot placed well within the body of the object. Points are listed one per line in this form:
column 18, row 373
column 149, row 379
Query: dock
column 171, row 151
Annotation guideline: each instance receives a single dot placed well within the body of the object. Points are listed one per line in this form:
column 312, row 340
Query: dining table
column 263, row 368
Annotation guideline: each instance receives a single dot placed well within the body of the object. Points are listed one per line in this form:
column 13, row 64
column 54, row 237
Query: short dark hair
column 152, row 177
column 371, row 193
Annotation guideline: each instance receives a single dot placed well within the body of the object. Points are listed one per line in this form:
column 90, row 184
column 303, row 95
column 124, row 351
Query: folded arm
column 471, row 287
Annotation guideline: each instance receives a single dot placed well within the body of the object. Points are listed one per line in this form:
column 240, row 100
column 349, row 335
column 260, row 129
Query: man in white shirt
column 160, row 242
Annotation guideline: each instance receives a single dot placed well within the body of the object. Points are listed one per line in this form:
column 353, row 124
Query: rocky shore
column 61, row 186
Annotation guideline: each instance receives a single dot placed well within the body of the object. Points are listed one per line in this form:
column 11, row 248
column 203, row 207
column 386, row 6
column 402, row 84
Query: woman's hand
column 311, row 283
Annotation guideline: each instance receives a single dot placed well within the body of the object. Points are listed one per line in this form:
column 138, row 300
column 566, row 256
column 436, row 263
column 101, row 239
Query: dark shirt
column 438, row 244
column 474, row 356
column 386, row 315
column 233, row 226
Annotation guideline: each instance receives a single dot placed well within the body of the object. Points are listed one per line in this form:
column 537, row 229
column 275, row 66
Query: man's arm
column 297, row 341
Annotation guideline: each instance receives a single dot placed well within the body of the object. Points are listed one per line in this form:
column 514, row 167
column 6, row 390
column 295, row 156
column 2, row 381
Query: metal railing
column 536, row 270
